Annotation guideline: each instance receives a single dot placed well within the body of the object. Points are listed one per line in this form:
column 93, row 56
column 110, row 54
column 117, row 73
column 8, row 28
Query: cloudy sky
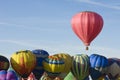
column 46, row 24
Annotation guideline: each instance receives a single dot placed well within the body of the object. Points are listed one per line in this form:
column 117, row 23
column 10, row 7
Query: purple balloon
column 8, row 75
column 3, row 75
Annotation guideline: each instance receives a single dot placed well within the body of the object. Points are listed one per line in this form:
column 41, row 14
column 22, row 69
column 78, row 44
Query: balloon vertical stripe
column 80, row 66
column 53, row 65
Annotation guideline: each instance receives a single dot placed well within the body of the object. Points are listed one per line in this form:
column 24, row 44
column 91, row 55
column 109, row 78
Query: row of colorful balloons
column 60, row 65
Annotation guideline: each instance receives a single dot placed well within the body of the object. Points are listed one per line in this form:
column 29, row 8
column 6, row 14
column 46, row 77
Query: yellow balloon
column 23, row 62
column 53, row 65
column 68, row 62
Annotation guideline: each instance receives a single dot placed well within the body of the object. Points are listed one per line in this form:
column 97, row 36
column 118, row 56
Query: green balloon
column 69, row 77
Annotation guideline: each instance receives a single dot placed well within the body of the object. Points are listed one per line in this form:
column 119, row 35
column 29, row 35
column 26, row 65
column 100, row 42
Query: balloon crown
column 55, row 58
column 23, row 51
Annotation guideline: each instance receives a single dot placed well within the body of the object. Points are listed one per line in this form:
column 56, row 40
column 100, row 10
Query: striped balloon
column 80, row 66
column 87, row 25
column 53, row 65
column 68, row 61
column 23, row 62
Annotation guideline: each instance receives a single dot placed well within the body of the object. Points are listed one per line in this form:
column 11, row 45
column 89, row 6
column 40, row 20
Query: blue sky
column 45, row 24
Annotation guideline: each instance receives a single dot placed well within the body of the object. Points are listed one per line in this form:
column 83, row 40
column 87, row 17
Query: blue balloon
column 98, row 64
column 40, row 56
column 3, row 75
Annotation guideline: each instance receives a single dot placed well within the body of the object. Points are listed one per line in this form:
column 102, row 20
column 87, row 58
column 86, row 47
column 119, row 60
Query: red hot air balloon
column 87, row 25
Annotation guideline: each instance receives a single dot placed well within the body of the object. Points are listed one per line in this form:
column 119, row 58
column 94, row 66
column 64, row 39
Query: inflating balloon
column 40, row 56
column 23, row 62
column 87, row 25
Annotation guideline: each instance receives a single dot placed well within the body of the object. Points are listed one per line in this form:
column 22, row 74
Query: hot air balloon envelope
column 87, row 25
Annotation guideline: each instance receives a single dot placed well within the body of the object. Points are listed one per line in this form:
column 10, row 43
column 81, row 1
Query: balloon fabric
column 40, row 56
column 87, row 25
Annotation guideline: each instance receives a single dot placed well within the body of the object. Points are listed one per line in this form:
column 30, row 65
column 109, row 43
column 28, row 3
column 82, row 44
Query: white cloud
column 22, row 43
column 13, row 25
column 100, row 4
column 20, row 26
column 42, row 25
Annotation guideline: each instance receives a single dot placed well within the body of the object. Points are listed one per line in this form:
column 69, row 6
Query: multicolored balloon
column 53, row 65
column 98, row 66
column 87, row 25
column 40, row 56
column 4, row 63
column 113, row 70
column 68, row 61
column 80, row 66
column 23, row 62
column 8, row 75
